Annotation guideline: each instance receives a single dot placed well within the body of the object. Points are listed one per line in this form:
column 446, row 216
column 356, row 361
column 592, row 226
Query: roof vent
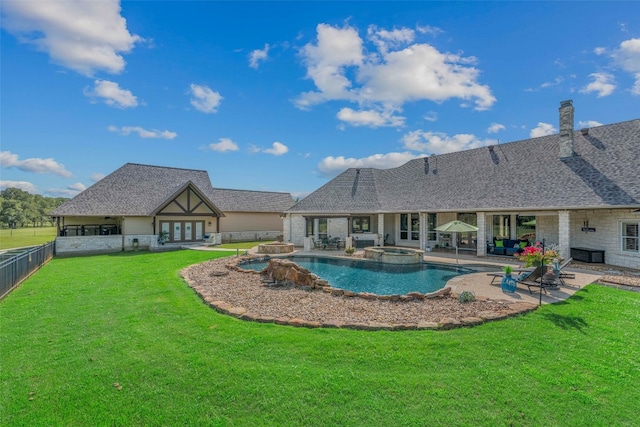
column 357, row 170
column 584, row 131
column 490, row 148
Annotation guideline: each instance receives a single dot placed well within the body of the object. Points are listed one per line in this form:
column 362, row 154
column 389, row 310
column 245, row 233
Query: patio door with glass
column 469, row 239
column 183, row 231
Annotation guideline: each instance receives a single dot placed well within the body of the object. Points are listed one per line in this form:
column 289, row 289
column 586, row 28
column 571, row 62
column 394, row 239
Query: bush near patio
column 122, row 340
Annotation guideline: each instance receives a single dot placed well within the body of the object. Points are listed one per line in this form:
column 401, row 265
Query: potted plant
column 163, row 237
column 508, row 283
column 350, row 250
column 507, row 270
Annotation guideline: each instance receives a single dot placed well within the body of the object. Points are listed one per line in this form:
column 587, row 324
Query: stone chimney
column 566, row 129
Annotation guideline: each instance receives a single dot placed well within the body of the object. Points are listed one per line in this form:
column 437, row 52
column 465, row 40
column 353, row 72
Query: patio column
column 564, row 237
column 481, row 249
column 381, row 229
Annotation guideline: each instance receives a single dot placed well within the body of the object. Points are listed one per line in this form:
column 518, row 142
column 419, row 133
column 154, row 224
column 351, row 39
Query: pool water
column 374, row 277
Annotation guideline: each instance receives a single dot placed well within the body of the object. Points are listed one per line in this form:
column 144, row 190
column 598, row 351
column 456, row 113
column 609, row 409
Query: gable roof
column 251, row 201
column 136, row 190
column 521, row 175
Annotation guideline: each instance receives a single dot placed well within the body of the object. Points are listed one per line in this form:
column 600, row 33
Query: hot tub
column 275, row 248
column 393, row 255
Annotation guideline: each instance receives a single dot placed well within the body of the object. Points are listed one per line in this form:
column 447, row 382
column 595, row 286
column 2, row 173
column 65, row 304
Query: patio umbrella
column 530, row 223
column 456, row 227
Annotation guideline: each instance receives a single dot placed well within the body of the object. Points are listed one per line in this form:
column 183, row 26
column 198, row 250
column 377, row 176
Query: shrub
column 350, row 250
column 466, row 296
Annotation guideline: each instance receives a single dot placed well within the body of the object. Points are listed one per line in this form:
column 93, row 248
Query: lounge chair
column 535, row 280
column 565, row 275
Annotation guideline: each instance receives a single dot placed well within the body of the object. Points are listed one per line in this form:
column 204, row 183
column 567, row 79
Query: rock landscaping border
column 258, row 296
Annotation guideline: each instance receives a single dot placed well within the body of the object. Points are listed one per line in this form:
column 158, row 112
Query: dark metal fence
column 17, row 265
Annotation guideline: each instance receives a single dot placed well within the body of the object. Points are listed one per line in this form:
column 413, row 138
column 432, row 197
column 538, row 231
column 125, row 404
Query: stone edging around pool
column 292, row 271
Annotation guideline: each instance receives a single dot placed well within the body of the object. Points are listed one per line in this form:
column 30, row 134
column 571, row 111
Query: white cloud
column 78, row 186
column 428, row 29
column 258, row 55
column 543, row 129
column 331, row 166
column 628, row 57
column 602, row 84
column 431, row 116
column 599, row 50
column 85, row 36
column 369, row 118
column 440, row 143
column 70, row 191
column 204, row 99
column 589, row 124
column 36, row 165
column 95, row 177
column 392, row 74
column 144, row 133
column 112, row 94
column 385, row 39
column 277, row 149
column 495, row 128
column 21, row 185
column 224, row 144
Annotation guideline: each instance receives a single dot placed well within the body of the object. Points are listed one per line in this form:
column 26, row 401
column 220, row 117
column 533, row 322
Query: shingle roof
column 139, row 190
column 528, row 174
column 251, row 201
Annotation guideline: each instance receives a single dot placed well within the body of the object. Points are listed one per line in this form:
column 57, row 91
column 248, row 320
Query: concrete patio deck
column 478, row 283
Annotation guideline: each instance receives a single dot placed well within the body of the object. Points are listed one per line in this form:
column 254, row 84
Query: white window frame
column 623, row 236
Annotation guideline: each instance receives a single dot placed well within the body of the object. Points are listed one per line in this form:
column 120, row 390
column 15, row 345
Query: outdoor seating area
column 329, row 243
column 506, row 247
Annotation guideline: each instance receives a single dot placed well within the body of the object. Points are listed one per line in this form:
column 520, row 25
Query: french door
column 183, row 231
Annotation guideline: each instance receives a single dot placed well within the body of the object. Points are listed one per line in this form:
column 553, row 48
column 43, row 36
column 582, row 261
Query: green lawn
column 241, row 245
column 122, row 340
column 29, row 236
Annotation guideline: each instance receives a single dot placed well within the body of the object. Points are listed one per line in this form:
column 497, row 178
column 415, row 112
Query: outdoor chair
column 535, row 280
column 564, row 275
column 317, row 244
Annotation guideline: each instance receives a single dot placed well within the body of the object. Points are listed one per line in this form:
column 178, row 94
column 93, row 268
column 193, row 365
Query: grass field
column 241, row 245
column 122, row 340
column 29, row 236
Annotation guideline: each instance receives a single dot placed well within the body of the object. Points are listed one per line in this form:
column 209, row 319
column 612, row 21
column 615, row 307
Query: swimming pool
column 374, row 277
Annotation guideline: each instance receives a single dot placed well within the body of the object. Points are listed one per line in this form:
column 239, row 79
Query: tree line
column 20, row 209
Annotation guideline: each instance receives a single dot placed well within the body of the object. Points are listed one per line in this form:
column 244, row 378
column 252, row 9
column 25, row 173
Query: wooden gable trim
column 190, row 190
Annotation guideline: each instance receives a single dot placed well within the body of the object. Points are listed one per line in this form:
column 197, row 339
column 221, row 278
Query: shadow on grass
column 566, row 322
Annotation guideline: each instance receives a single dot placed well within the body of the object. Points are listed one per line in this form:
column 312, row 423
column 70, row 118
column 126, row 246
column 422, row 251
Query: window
column 322, row 228
column 630, row 237
column 309, row 227
column 526, row 228
column 360, row 224
column 432, row 234
column 502, row 226
column 415, row 226
column 404, row 226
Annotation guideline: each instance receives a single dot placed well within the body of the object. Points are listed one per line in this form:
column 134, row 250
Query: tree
column 18, row 207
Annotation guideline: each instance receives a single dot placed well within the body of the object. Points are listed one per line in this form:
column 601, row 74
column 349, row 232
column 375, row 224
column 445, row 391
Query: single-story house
column 579, row 190
column 144, row 206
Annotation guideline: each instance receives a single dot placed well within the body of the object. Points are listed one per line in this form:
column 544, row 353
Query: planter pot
column 508, row 283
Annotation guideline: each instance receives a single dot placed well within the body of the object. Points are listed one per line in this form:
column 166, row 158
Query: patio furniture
column 507, row 247
column 563, row 275
column 537, row 280
column 515, row 270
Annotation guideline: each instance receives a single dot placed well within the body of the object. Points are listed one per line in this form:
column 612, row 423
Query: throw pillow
column 499, row 244
column 523, row 245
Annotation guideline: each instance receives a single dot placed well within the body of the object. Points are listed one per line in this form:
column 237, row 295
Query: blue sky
column 283, row 96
